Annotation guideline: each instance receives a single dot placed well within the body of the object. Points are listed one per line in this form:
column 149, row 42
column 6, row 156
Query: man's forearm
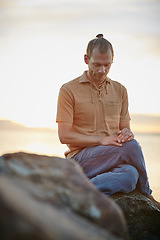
column 68, row 135
column 74, row 138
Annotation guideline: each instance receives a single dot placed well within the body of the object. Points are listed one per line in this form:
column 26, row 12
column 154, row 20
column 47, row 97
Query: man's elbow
column 64, row 134
column 63, row 138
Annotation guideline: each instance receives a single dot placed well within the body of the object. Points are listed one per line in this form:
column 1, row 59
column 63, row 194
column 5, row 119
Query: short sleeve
column 124, row 116
column 65, row 106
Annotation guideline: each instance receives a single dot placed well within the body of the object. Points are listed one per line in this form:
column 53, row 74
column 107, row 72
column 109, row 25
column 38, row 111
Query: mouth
column 101, row 76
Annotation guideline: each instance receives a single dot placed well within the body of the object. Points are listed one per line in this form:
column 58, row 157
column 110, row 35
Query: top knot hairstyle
column 99, row 35
column 101, row 43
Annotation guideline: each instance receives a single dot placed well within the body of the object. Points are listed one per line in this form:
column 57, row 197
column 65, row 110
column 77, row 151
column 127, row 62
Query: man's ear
column 86, row 58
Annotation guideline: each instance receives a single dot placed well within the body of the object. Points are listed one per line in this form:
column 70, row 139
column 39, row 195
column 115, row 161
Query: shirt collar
column 84, row 78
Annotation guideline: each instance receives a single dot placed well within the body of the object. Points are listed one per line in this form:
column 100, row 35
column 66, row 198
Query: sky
column 42, row 44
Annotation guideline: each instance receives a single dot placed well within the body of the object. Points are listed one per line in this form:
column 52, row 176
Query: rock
column 50, row 198
column 142, row 216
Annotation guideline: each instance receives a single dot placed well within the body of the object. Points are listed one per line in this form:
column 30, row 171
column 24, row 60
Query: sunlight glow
column 42, row 48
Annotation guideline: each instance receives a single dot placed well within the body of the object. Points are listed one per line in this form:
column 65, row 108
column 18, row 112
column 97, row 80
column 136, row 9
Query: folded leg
column 101, row 159
column 123, row 179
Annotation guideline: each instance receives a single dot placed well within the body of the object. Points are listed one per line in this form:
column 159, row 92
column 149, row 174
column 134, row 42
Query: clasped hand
column 123, row 135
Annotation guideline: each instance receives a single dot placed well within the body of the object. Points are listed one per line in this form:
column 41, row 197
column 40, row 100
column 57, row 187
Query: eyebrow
column 101, row 64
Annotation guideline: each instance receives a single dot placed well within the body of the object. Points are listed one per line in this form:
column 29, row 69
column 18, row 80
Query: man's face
column 99, row 65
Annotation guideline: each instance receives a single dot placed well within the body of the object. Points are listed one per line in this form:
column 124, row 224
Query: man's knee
column 131, row 151
column 130, row 177
column 132, row 145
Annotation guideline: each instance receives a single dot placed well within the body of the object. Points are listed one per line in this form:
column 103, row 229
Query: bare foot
column 154, row 201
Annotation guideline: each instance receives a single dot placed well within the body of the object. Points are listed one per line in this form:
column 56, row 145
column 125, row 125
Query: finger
column 125, row 138
column 126, row 133
column 131, row 137
column 116, row 143
column 122, row 138
column 123, row 134
column 119, row 132
column 124, row 130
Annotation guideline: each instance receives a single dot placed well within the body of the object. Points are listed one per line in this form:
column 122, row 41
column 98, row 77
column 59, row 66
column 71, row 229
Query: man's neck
column 97, row 83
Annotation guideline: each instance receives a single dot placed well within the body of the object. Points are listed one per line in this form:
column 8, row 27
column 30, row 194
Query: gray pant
column 115, row 169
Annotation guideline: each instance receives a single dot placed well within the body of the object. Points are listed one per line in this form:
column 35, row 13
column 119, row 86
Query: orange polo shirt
column 92, row 111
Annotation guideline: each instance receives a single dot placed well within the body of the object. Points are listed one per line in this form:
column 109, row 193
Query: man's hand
column 125, row 135
column 111, row 140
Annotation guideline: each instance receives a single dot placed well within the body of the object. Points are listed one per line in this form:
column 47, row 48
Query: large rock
column 143, row 217
column 50, row 198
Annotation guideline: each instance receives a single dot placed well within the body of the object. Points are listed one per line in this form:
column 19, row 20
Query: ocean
column 47, row 142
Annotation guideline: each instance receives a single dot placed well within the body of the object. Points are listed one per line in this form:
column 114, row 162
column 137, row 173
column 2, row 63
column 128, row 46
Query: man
column 93, row 120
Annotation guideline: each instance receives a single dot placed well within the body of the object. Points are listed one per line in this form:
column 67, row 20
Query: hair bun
column 99, row 35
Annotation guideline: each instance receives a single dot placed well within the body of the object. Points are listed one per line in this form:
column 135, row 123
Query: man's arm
column 68, row 135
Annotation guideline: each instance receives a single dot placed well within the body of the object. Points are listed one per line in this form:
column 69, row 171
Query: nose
column 102, row 69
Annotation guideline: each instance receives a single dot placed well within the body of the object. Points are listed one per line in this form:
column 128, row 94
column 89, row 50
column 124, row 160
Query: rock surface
column 143, row 217
column 50, row 198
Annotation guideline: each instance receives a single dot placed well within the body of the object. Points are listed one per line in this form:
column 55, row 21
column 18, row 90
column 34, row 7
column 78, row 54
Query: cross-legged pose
column 93, row 120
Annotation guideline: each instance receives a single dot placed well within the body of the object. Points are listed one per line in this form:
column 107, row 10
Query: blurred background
column 42, row 44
